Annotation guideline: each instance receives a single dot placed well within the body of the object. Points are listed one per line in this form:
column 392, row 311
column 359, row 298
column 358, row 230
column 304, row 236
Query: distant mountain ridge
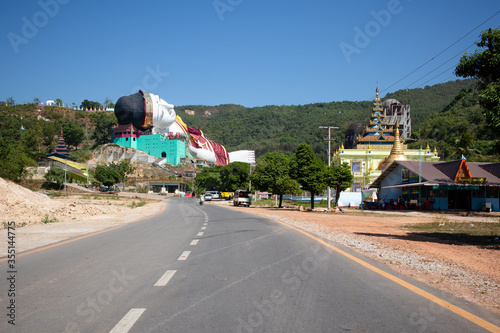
column 272, row 127
column 445, row 115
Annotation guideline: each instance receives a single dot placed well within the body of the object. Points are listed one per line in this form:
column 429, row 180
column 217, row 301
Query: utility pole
column 329, row 193
column 65, row 167
column 249, row 179
column 419, row 175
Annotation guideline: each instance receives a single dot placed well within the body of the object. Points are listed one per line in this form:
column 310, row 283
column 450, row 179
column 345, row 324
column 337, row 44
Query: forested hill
column 430, row 99
column 446, row 116
column 284, row 127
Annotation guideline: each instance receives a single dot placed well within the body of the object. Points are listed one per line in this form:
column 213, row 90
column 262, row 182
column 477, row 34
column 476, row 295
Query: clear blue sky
column 252, row 53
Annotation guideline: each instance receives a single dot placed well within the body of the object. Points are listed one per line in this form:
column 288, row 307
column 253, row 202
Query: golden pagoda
column 396, row 153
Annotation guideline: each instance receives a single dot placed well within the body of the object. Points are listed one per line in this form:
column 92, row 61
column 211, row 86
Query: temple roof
column 61, row 146
column 444, row 173
column 377, row 132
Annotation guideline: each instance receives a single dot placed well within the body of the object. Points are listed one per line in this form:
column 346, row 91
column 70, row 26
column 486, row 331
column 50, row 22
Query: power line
column 440, row 65
column 440, row 52
column 437, row 75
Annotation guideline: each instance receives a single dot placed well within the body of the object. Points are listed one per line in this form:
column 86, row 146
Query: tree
column 339, row 178
column 103, row 127
column 123, row 169
column 10, row 101
column 13, row 163
column 308, row 170
column 55, row 175
column 113, row 173
column 484, row 65
column 107, row 103
column 36, row 100
column 73, row 134
column 106, row 175
column 273, row 174
column 234, row 176
column 90, row 105
column 50, row 131
column 489, row 99
column 209, row 178
column 228, row 178
column 58, row 102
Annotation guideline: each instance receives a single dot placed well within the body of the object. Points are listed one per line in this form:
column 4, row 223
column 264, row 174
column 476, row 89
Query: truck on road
column 242, row 198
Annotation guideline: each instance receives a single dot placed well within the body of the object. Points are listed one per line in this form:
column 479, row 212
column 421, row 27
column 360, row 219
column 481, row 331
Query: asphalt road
column 207, row 268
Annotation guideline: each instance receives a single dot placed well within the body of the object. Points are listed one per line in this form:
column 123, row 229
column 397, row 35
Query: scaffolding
column 394, row 112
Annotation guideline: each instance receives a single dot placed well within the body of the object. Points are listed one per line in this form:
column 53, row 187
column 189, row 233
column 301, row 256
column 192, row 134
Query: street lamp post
column 329, row 193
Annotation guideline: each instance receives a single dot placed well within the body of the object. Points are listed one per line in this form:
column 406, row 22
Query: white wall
column 394, row 178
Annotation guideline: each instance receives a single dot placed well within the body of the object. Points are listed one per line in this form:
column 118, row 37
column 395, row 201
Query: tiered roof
column 378, row 134
column 61, row 146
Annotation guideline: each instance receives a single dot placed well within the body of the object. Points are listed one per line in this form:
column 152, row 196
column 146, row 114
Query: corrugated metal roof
column 492, row 168
column 436, row 173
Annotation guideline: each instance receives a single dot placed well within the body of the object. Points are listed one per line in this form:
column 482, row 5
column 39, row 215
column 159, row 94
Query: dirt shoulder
column 64, row 218
column 467, row 271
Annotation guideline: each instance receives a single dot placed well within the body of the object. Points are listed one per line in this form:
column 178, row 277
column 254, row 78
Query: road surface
column 207, row 268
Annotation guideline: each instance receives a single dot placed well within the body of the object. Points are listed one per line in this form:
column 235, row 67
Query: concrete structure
column 396, row 112
column 172, row 148
column 370, row 145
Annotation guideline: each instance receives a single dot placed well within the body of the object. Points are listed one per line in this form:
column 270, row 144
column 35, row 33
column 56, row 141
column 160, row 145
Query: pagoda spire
column 397, row 153
column 61, row 146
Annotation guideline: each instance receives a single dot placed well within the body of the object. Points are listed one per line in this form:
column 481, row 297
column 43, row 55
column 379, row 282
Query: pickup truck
column 242, row 198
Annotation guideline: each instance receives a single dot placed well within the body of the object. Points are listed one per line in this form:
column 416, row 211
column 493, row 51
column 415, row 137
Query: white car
column 214, row 194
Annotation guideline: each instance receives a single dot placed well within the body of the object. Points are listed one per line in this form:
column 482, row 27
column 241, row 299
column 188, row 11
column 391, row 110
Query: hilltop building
column 367, row 148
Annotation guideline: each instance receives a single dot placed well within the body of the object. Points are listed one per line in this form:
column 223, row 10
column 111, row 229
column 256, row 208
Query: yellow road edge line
column 453, row 308
column 84, row 236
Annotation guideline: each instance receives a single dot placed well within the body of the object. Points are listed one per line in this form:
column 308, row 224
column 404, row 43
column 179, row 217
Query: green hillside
column 446, row 116
column 460, row 129
column 430, row 99
column 272, row 127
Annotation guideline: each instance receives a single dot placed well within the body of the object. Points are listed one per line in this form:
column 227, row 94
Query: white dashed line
column 205, row 223
column 128, row 321
column 203, row 228
column 162, row 282
column 184, row 255
column 194, row 242
column 200, row 234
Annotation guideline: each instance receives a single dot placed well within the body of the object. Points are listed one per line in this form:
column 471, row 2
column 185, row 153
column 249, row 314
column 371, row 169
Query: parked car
column 215, row 194
column 208, row 197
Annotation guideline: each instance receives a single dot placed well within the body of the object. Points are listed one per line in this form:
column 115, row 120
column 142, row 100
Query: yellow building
column 372, row 145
